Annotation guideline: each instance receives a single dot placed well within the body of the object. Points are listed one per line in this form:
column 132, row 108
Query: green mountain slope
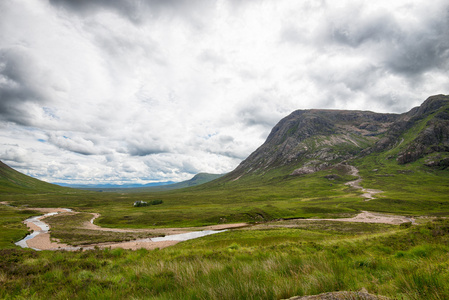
column 14, row 182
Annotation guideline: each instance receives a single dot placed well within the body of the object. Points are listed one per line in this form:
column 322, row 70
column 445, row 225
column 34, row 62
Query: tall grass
column 400, row 263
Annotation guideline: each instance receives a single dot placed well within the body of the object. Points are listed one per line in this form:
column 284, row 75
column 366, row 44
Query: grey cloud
column 419, row 52
column 258, row 112
column 291, row 34
column 24, row 82
column 225, row 145
column 225, row 139
column 144, row 148
column 360, row 29
column 139, row 11
column 77, row 144
column 408, row 49
column 14, row 153
column 189, row 167
column 209, row 56
column 233, row 153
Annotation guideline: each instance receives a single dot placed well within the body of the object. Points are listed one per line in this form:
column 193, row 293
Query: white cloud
column 120, row 91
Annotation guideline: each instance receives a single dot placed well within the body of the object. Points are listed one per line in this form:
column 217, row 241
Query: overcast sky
column 119, row 91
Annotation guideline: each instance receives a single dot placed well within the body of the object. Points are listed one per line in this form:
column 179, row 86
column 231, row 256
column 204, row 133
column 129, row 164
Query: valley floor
column 43, row 240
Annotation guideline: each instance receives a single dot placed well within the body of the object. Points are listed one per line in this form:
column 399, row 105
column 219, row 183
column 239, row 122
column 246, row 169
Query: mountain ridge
column 307, row 141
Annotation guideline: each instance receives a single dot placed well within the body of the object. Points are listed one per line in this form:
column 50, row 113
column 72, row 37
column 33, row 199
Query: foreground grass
column 11, row 227
column 245, row 264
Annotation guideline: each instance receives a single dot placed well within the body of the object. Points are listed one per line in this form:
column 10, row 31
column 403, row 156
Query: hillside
column 198, row 179
column 305, row 233
column 14, row 182
column 308, row 141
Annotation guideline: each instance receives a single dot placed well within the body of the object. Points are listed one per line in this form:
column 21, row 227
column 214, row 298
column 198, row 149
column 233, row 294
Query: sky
column 121, row 91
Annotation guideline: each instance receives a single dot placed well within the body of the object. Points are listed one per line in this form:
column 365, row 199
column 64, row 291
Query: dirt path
column 368, row 194
column 363, row 217
column 370, row 217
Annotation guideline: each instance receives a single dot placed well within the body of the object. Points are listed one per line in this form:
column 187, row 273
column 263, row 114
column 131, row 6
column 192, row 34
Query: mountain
column 198, row 179
column 113, row 186
column 307, row 141
column 12, row 181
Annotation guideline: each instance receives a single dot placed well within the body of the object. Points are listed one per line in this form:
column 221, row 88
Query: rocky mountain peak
column 310, row 140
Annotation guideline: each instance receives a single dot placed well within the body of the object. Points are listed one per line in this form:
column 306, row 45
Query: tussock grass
column 243, row 265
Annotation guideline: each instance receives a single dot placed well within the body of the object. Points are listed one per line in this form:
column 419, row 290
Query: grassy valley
column 300, row 173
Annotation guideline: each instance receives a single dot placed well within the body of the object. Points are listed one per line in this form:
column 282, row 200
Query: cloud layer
column 141, row 91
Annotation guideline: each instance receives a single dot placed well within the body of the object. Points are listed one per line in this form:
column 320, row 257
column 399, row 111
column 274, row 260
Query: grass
column 245, row 264
column 11, row 227
column 313, row 257
column 68, row 229
column 269, row 197
column 403, row 262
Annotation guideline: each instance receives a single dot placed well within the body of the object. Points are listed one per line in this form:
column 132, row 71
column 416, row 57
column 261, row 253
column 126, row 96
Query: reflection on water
column 185, row 236
column 44, row 228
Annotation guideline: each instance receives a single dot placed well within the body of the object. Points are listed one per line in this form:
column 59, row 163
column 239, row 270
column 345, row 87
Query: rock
column 332, row 177
column 310, row 167
column 335, row 136
column 362, row 295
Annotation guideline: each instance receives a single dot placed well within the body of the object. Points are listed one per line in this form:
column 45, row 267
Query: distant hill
column 14, row 182
column 113, row 186
column 308, row 141
column 198, row 179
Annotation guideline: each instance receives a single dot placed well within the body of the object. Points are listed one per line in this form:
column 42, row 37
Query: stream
column 44, row 228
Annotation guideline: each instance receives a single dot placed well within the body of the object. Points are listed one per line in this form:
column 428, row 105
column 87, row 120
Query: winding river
column 41, row 230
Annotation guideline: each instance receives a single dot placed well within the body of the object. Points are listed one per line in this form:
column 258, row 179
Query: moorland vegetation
column 300, row 173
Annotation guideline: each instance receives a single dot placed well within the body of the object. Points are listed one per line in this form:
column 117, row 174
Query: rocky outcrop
column 362, row 295
column 308, row 141
column 432, row 137
column 315, row 139
column 310, row 167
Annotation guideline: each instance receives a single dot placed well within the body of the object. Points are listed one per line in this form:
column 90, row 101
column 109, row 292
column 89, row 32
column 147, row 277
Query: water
column 186, row 236
column 44, row 228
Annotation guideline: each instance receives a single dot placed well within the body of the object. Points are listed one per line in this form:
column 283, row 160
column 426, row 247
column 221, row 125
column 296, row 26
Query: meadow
column 395, row 261
column 306, row 257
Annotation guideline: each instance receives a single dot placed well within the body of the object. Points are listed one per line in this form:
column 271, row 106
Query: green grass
column 311, row 258
column 68, row 229
column 411, row 189
column 11, row 227
column 271, row 198
column 245, row 264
